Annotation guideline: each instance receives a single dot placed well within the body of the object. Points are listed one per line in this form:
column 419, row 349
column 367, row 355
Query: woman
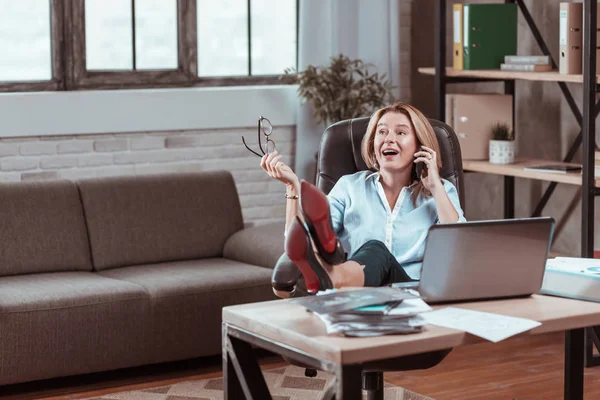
column 381, row 218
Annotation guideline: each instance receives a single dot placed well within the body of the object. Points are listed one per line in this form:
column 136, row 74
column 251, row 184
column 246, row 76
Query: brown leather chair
column 339, row 155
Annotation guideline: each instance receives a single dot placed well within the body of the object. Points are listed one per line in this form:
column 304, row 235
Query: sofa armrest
column 260, row 245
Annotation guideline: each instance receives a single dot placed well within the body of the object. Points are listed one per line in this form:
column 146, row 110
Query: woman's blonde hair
column 423, row 130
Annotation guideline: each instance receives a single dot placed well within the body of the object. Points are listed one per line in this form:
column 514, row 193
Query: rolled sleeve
column 453, row 196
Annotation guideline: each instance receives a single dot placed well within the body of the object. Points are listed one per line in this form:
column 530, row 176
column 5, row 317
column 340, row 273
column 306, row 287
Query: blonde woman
column 380, row 217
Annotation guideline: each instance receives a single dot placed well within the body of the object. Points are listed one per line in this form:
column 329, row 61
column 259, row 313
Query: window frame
column 57, row 45
column 81, row 78
column 69, row 58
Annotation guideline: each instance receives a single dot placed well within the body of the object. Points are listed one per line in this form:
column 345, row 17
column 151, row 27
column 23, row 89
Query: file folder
column 570, row 38
column 472, row 117
column 457, row 19
column 597, row 42
column 489, row 34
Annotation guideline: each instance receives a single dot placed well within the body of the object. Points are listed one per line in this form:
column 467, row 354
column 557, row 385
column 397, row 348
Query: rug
column 287, row 383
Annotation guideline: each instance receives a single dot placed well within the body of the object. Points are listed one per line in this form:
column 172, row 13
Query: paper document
column 410, row 307
column 492, row 327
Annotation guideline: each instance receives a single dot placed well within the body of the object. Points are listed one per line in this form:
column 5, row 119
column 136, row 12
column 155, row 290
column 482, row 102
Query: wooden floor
column 519, row 369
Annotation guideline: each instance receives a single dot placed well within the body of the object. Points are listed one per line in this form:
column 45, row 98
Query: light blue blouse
column 360, row 212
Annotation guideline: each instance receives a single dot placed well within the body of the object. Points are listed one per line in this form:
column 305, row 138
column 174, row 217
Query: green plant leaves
column 342, row 90
column 501, row 131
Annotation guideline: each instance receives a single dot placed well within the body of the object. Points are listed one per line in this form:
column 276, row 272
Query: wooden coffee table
column 289, row 330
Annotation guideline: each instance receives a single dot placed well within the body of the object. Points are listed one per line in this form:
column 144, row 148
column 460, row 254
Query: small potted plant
column 346, row 88
column 502, row 144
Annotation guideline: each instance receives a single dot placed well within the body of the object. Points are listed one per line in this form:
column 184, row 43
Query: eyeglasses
column 264, row 127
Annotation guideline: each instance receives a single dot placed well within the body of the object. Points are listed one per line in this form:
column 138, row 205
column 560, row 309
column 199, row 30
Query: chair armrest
column 260, row 245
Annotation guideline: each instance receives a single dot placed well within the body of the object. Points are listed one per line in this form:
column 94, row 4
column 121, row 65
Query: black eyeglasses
column 264, row 127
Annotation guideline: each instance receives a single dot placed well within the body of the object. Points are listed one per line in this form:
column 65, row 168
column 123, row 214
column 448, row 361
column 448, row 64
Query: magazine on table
column 344, row 300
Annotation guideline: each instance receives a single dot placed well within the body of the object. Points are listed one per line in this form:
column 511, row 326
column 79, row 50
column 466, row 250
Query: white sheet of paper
column 492, row 327
column 410, row 307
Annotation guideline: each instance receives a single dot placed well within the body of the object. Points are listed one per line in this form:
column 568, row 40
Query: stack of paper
column 368, row 312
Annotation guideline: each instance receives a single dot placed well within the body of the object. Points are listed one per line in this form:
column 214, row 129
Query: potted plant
column 344, row 89
column 502, row 144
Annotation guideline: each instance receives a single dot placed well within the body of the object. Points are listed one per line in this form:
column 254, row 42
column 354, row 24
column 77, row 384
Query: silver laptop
column 485, row 259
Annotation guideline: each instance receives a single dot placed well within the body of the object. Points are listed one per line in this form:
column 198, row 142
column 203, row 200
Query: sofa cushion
column 156, row 218
column 187, row 298
column 65, row 323
column 258, row 245
column 182, row 278
column 43, row 228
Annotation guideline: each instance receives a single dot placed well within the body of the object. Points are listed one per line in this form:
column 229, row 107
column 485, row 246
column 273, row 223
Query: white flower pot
column 502, row 151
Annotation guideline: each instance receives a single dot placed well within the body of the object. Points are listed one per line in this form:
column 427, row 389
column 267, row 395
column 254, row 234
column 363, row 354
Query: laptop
column 480, row 260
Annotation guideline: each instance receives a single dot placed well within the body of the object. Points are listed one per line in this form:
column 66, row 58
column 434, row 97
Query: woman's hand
column 274, row 166
column 430, row 175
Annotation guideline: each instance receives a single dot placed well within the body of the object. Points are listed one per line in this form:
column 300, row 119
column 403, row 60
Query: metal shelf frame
column 585, row 139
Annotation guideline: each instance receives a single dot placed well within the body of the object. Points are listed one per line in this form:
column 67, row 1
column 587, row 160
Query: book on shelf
column 554, row 168
column 526, row 67
column 536, row 60
column 576, row 278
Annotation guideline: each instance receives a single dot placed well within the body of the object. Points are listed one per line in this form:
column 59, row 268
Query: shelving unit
column 549, row 76
column 517, row 169
column 586, row 118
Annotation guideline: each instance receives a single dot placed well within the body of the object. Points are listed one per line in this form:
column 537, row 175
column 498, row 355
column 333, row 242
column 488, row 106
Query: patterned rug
column 288, row 383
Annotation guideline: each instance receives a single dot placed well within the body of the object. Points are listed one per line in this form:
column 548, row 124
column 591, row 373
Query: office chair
column 340, row 154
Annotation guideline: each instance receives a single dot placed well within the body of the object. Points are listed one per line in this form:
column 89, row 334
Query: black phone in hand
column 420, row 165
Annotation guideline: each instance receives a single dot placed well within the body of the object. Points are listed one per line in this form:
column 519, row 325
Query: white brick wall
column 88, row 156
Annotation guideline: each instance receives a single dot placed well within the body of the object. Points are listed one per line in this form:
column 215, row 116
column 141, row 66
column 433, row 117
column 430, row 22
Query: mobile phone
column 420, row 165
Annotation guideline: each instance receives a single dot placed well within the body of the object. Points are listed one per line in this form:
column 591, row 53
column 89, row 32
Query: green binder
column 490, row 33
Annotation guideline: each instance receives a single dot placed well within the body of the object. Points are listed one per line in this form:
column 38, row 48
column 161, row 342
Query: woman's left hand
column 430, row 175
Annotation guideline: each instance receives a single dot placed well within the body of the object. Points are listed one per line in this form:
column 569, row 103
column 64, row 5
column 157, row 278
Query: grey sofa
column 109, row 273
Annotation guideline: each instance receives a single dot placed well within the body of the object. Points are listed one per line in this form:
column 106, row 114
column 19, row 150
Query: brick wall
column 86, row 156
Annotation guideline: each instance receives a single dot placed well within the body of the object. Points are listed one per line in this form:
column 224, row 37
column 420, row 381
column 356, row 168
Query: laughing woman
column 379, row 217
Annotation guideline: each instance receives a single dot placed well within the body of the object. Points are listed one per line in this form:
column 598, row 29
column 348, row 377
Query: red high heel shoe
column 299, row 250
column 315, row 209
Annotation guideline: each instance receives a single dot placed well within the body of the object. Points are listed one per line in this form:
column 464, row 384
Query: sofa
column 108, row 273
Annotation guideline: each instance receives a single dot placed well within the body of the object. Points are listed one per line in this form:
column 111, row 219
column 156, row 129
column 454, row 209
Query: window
column 145, row 43
column 241, row 37
column 122, row 37
column 29, row 43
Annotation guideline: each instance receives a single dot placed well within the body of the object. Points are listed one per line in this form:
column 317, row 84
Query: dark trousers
column 381, row 267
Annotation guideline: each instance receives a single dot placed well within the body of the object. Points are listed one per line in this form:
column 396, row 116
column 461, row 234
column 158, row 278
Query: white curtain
column 365, row 29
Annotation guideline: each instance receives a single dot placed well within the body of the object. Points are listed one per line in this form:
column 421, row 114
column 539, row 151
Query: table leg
column 574, row 352
column 231, row 384
column 349, row 382
column 242, row 377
